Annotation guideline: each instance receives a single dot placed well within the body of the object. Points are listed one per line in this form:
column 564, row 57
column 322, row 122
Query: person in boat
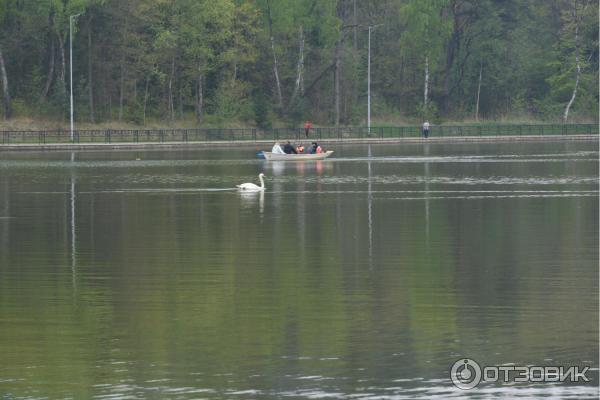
column 300, row 149
column 289, row 149
column 315, row 148
column 277, row 149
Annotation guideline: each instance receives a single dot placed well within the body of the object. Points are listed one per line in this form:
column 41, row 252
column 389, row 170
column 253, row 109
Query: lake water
column 143, row 275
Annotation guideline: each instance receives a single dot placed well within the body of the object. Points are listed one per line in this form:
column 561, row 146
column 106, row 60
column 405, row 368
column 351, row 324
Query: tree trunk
column 170, row 94
column 275, row 68
column 199, row 96
column 122, row 78
column 299, row 86
column 5, row 93
column 452, row 49
column 478, row 92
column 577, row 64
column 90, row 80
column 146, row 97
column 121, row 90
column 338, row 55
column 180, row 97
column 63, row 65
column 426, row 90
column 50, row 75
column 355, row 29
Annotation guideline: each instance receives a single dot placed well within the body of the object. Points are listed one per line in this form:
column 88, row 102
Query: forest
column 279, row 62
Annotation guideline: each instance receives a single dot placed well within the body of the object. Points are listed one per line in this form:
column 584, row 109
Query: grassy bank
column 31, row 124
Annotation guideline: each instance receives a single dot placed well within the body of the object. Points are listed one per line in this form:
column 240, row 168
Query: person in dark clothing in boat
column 315, row 149
column 289, row 149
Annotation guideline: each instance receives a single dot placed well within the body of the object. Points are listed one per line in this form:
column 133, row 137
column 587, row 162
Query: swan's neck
column 262, row 182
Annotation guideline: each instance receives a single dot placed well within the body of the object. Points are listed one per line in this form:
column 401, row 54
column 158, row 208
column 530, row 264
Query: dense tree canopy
column 283, row 61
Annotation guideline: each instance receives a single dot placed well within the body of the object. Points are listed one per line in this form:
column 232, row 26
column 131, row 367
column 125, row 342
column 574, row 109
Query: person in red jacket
column 307, row 127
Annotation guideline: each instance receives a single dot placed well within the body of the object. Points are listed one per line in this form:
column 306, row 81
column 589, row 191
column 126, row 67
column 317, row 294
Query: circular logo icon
column 465, row 374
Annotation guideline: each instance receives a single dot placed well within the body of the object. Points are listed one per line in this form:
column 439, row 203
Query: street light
column 71, row 65
column 371, row 27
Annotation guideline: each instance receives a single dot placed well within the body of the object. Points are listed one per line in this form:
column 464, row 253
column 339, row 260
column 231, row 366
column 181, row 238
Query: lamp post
column 371, row 27
column 71, row 66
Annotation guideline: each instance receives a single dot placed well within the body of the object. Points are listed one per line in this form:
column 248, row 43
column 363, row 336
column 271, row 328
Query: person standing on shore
column 426, row 129
column 307, row 127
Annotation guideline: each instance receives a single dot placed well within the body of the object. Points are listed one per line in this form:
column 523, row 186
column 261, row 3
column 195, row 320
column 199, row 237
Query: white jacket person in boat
column 277, row 149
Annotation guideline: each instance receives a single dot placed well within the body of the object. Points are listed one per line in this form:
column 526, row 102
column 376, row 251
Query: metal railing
column 254, row 134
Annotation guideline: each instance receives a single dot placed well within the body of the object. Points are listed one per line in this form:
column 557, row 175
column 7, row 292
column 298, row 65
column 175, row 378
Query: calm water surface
column 143, row 275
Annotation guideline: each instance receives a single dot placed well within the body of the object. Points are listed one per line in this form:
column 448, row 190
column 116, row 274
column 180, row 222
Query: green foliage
column 214, row 57
column 262, row 116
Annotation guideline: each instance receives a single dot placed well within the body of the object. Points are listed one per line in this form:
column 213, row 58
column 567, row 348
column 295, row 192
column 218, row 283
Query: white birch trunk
column 90, row 81
column 63, row 65
column 577, row 64
column 170, row 94
column 299, row 86
column 122, row 83
column 478, row 93
column 338, row 53
column 5, row 93
column 50, row 75
column 275, row 68
column 275, row 71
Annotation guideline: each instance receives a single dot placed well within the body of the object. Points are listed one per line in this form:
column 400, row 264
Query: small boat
column 260, row 155
column 296, row 157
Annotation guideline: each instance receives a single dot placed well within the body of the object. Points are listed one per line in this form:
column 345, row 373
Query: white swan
column 252, row 186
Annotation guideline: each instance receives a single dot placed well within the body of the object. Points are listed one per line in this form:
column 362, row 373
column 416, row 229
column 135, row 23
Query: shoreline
column 263, row 143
